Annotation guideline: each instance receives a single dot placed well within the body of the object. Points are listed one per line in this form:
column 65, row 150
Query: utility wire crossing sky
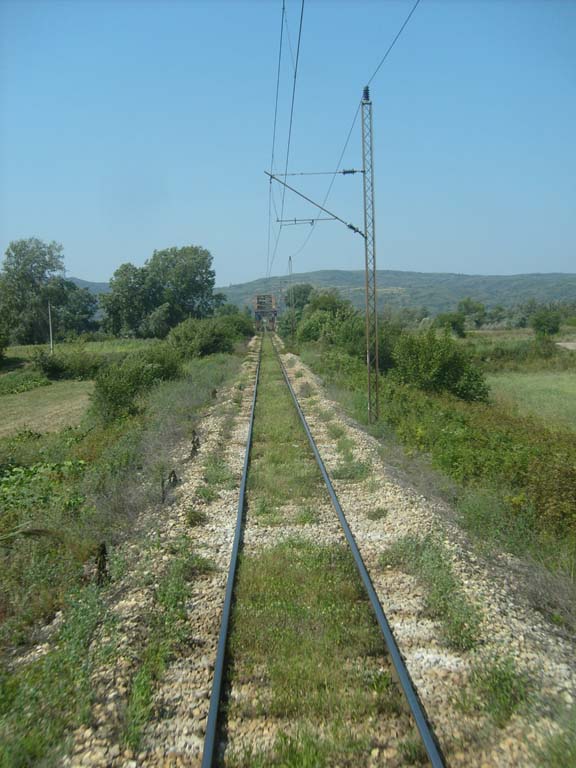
column 131, row 126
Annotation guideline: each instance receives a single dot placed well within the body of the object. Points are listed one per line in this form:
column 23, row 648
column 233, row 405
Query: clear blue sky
column 127, row 126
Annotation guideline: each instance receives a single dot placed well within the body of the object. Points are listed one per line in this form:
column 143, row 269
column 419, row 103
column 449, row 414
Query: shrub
column 198, row 338
column 453, row 321
column 118, row 385
column 236, row 325
column 437, row 364
column 21, row 381
column 74, row 363
column 3, row 341
column 546, row 322
column 311, row 327
column 166, row 357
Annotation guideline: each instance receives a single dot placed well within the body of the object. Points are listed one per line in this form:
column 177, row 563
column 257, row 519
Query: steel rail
column 425, row 729
column 219, row 665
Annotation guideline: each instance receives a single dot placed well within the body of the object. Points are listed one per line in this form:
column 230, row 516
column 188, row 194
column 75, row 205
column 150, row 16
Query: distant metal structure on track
column 370, row 258
column 265, row 312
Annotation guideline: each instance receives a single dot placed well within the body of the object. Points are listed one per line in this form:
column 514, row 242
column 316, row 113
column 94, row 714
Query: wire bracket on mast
column 370, row 258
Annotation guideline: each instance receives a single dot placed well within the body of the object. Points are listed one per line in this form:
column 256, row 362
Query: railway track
column 215, row 739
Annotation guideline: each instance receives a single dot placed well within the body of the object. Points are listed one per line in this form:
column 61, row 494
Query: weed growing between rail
column 303, row 638
column 303, row 627
column 282, row 464
column 445, row 600
column 496, row 688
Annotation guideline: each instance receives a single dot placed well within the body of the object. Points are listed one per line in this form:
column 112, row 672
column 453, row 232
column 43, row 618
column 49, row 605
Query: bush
column 118, row 385
column 75, row 363
column 165, row 356
column 3, row 341
column 236, row 325
column 312, row 327
column 198, row 338
column 546, row 322
column 21, row 381
column 436, row 364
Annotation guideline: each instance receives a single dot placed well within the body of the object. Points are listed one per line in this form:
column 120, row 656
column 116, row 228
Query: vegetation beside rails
column 499, row 352
column 301, row 615
column 559, row 750
column 445, row 599
column 515, row 480
column 63, row 494
column 168, row 632
column 549, row 395
column 282, row 464
column 295, row 625
column 43, row 700
column 497, row 689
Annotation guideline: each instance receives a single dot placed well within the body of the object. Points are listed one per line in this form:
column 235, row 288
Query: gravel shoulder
column 510, row 626
column 174, row 732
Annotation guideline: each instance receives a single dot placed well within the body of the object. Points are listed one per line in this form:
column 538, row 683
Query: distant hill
column 438, row 291
column 92, row 287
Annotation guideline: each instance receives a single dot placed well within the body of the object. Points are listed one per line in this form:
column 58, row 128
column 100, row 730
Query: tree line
column 148, row 301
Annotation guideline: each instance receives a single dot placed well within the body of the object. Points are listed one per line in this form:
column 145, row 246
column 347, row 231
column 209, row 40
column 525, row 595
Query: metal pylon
column 370, row 253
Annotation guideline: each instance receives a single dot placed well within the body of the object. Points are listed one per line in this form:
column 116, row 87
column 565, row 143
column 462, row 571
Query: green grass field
column 25, row 352
column 46, row 409
column 549, row 395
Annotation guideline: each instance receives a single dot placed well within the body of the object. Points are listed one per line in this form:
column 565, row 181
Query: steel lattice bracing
column 370, row 253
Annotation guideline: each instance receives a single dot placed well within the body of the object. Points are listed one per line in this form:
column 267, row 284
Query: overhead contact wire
column 381, row 62
column 289, row 130
column 270, row 193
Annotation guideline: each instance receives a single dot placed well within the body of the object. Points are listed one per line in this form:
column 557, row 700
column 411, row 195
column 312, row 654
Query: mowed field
column 46, row 409
column 63, row 403
column 549, row 395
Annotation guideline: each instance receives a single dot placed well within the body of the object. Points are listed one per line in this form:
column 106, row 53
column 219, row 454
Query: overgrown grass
column 302, row 617
column 279, row 442
column 524, row 468
column 559, row 750
column 378, row 513
column 348, row 468
column 41, row 702
column 445, row 599
column 497, row 689
column 168, row 631
column 550, row 396
column 62, row 494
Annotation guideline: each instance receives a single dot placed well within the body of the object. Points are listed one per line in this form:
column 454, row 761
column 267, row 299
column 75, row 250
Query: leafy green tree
column 128, row 302
column 173, row 284
column 184, row 279
column 437, row 364
column 453, row 321
column 157, row 323
column 299, row 295
column 328, row 300
column 475, row 311
column 545, row 322
column 3, row 340
column 76, row 314
column 30, row 267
